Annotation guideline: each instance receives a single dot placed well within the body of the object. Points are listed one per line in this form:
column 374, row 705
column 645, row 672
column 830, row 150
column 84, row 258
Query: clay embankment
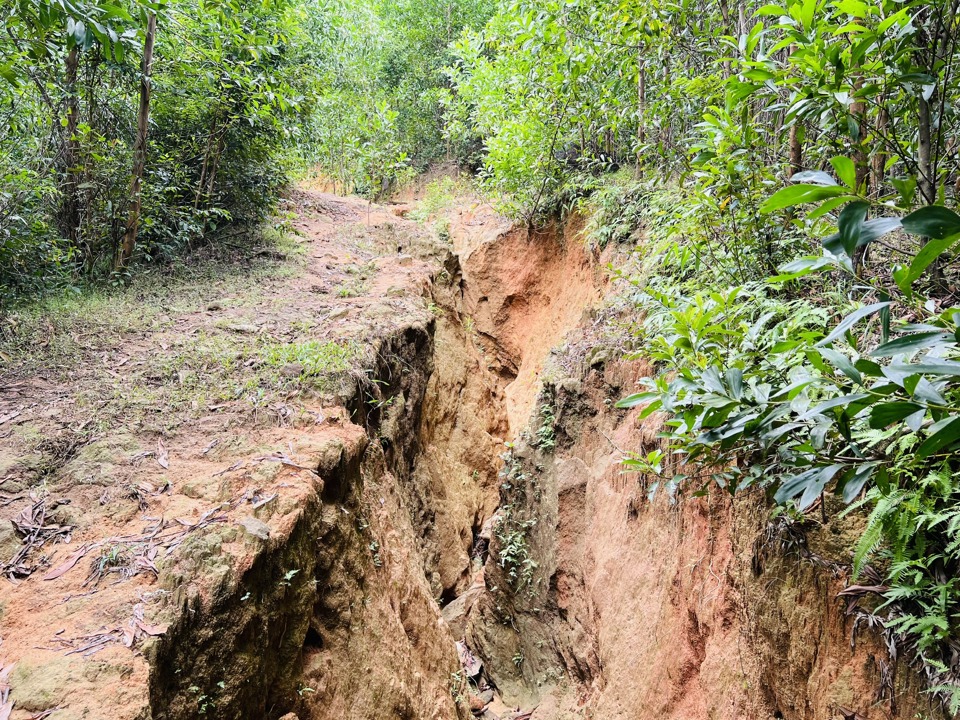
column 326, row 567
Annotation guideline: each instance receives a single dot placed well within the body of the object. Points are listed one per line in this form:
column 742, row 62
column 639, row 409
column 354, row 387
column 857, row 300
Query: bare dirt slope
column 148, row 463
column 372, row 471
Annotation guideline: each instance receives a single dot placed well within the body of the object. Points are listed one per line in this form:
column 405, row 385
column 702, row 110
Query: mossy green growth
column 316, row 358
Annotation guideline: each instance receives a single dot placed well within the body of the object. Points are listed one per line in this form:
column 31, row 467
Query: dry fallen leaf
column 67, row 565
column 43, row 714
column 163, row 457
column 9, row 417
column 153, row 630
column 5, row 671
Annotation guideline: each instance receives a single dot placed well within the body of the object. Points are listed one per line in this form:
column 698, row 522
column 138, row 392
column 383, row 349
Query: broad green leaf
column 946, row 434
column 826, row 207
column 849, row 223
column 774, row 10
column 810, row 483
column 836, row 402
column 8, row 73
column 800, row 268
column 842, row 363
column 851, row 320
column 637, row 399
column 814, row 177
column 877, row 228
column 650, row 409
column 734, row 381
column 933, row 221
column 868, row 367
column 907, row 187
column 885, row 414
column 929, row 368
column 846, row 171
column 855, row 479
column 869, row 231
column 800, row 195
column 927, row 255
column 911, row 343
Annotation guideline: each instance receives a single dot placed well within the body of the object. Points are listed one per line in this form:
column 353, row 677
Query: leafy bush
column 516, row 521
column 760, row 395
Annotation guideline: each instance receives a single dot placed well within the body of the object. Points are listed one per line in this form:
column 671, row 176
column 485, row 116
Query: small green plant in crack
column 205, row 703
column 514, row 553
column 515, row 524
column 380, row 403
column 458, row 687
column 374, row 548
column 113, row 559
column 316, row 359
column 518, row 659
column 546, row 436
column 442, row 227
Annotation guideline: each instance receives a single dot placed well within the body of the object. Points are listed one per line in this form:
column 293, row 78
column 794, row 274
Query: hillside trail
column 374, row 470
column 100, row 482
column 166, row 449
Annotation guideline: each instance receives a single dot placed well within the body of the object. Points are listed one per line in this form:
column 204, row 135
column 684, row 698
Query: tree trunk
column 71, row 153
column 139, row 148
column 924, row 154
column 879, row 160
column 642, row 109
column 796, row 147
column 725, row 11
column 858, row 110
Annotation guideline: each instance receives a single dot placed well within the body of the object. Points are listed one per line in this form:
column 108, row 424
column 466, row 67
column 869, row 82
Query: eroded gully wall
column 634, row 609
column 642, row 609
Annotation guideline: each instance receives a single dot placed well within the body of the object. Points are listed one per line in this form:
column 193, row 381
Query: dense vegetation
column 790, row 171
column 137, row 131
column 796, row 174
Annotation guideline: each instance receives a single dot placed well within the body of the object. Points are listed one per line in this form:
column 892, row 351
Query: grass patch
column 440, row 195
column 146, row 357
column 60, row 331
column 357, row 280
column 316, row 359
column 209, row 370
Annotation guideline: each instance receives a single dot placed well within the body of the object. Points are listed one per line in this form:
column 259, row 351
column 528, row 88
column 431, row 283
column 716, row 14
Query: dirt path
column 266, row 483
column 146, row 441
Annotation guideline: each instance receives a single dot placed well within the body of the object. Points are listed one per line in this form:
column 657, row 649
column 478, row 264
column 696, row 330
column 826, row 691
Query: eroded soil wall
column 582, row 597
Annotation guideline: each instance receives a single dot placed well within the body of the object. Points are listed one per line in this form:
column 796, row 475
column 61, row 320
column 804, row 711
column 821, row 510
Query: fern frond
column 873, row 533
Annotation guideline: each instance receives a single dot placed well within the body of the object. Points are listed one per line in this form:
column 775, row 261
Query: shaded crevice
column 435, row 415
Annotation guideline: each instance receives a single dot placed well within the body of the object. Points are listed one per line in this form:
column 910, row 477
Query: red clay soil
column 364, row 503
column 110, row 512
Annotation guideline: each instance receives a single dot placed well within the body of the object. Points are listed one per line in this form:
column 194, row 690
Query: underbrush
column 439, row 199
column 817, row 380
column 97, row 339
